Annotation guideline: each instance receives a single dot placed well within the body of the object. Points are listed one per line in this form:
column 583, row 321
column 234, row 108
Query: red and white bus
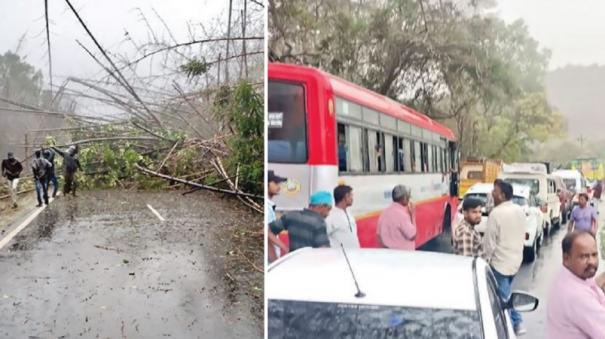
column 324, row 131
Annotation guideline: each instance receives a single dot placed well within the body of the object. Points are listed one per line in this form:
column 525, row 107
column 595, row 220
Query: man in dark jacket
column 52, row 176
column 11, row 169
column 70, row 165
column 40, row 168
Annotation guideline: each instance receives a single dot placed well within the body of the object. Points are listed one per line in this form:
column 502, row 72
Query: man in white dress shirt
column 341, row 225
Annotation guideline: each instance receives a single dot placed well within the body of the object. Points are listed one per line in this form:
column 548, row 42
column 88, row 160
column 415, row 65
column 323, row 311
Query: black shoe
column 39, row 204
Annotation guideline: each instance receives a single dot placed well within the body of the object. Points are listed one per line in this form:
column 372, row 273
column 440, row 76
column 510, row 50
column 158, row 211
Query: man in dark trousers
column 40, row 169
column 70, row 165
column 52, row 176
column 11, row 170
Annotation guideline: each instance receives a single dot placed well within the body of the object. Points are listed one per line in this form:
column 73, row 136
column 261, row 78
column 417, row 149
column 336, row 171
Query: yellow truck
column 474, row 171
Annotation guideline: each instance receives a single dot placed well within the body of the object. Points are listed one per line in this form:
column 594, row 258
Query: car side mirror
column 522, row 302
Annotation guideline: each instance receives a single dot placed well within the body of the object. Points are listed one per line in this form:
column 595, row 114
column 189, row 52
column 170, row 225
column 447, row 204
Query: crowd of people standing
column 327, row 222
column 43, row 172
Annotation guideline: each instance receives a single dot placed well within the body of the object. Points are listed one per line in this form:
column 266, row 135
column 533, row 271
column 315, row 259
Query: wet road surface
column 535, row 277
column 104, row 266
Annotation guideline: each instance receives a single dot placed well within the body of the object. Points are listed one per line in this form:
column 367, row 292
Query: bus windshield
column 301, row 319
column 286, row 123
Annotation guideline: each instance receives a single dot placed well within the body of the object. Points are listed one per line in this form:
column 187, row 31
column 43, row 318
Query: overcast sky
column 574, row 33
column 573, row 30
column 107, row 19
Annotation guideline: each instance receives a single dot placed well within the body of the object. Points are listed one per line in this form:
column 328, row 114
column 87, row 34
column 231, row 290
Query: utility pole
column 228, row 41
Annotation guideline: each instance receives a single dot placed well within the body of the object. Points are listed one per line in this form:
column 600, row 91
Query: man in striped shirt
column 467, row 241
column 307, row 228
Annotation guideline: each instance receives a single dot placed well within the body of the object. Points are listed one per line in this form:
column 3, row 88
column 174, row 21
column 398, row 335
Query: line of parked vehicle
column 546, row 198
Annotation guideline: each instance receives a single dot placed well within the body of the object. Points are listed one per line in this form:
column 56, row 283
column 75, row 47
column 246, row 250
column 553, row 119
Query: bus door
column 454, row 174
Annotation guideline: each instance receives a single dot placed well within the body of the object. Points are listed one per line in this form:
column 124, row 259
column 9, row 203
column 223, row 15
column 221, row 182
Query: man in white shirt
column 503, row 243
column 340, row 223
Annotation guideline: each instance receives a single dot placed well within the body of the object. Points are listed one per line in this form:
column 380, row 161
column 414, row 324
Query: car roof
column 568, row 174
column 386, row 277
column 480, row 188
column 483, row 188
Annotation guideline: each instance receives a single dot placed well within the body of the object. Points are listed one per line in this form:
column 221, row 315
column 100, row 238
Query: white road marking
column 24, row 224
column 156, row 213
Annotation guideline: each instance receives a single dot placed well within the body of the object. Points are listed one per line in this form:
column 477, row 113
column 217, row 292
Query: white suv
column 316, row 293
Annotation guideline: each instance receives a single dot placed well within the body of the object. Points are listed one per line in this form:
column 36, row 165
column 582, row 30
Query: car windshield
column 302, row 319
column 521, row 201
column 571, row 184
column 475, row 175
column 534, row 184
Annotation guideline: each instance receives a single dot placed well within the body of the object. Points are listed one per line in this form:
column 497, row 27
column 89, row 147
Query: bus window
column 424, row 161
column 390, row 145
column 430, row 158
column 407, row 155
column 397, row 154
column 342, row 148
column 355, row 149
column 287, row 123
column 400, row 154
column 365, row 154
column 416, row 157
column 375, row 147
column 439, row 160
column 380, row 152
column 443, row 160
column 436, row 159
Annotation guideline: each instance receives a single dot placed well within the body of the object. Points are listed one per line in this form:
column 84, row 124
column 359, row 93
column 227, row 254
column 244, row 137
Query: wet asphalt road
column 535, row 277
column 104, row 266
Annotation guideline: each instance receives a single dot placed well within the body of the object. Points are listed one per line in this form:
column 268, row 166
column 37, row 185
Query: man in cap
column 70, row 165
column 397, row 223
column 276, row 247
column 11, row 170
column 307, row 228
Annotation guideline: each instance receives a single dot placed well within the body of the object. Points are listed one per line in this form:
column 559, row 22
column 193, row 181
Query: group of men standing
column 328, row 222
column 44, row 174
column 503, row 241
column 576, row 303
